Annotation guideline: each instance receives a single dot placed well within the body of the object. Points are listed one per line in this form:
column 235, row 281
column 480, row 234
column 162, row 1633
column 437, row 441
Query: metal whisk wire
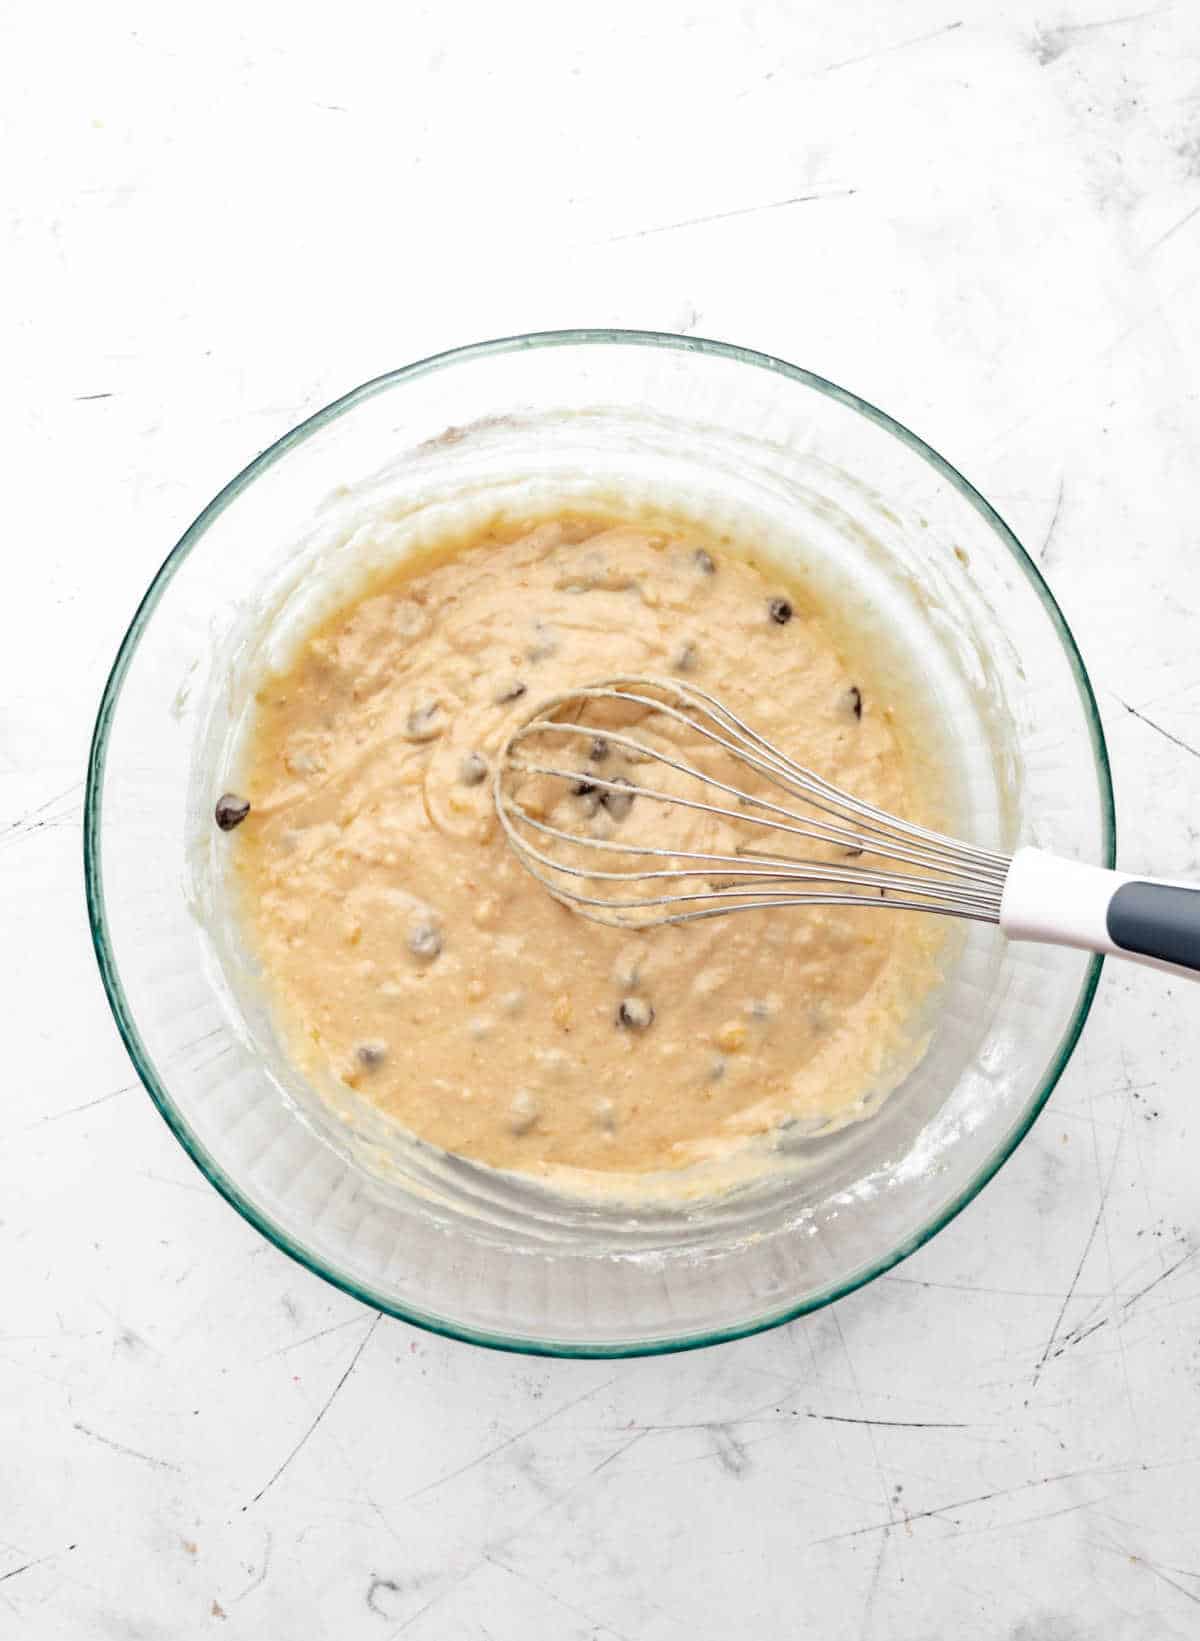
column 952, row 878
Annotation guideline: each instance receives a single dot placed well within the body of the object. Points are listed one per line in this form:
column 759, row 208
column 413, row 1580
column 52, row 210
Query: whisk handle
column 1066, row 903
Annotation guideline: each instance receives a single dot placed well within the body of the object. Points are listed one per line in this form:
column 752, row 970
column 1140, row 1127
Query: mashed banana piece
column 408, row 954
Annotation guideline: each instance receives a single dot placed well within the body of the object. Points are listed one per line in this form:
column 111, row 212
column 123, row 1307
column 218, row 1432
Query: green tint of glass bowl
column 514, row 425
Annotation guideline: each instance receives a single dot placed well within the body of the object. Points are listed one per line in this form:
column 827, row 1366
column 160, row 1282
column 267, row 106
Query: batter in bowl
column 410, row 957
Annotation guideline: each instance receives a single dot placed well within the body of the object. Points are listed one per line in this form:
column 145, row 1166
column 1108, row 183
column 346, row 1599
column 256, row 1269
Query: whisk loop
column 550, row 796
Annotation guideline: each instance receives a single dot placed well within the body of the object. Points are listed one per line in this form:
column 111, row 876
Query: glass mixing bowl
column 517, row 425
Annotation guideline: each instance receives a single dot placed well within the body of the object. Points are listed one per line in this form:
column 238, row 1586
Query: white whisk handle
column 1061, row 902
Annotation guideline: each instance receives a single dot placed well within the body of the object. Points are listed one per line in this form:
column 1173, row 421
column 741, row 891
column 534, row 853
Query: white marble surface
column 984, row 216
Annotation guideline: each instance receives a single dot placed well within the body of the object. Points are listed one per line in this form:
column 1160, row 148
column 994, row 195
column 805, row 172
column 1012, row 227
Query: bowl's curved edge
column 93, row 879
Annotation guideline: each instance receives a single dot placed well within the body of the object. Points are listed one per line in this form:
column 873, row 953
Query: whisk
column 569, row 813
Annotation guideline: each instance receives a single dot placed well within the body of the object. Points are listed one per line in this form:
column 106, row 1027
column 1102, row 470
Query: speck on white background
column 984, row 216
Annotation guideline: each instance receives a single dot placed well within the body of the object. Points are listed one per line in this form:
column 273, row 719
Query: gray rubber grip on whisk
column 1157, row 920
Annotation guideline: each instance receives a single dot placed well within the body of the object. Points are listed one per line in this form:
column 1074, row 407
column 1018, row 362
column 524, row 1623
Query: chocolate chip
column 473, row 769
column 371, row 1054
column 704, row 562
column 854, row 700
column 634, row 1014
column 598, row 750
column 231, row 811
column 424, row 722
column 424, row 941
column 512, row 691
column 590, row 794
column 851, row 854
column 618, row 804
column 780, row 611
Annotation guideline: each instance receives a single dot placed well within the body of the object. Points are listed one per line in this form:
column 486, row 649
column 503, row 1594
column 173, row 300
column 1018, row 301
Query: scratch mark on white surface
column 567, row 1493
column 490, row 1453
column 322, row 1333
column 1150, row 1566
column 986, row 1292
column 29, row 822
column 610, row 1458
column 900, row 45
column 1046, row 1515
column 597, row 1626
column 751, row 1416
column 38, row 1373
column 886, row 1493
column 15, row 1572
column 1158, row 728
column 441, row 1595
column 326, row 1405
column 892, row 1424
column 129, row 1452
column 1172, row 231
column 1086, row 1328
column 1106, row 1186
column 726, row 216
column 1158, row 1573
column 74, row 1110
column 1001, row 1493
column 1185, row 1572
column 857, row 1499
column 1029, row 1521
column 1126, row 1120
column 1177, row 692
column 1050, row 44
column 256, row 1577
column 86, row 398
column 59, row 1333
column 409, row 1622
column 1045, row 547
column 1048, row 397
column 847, row 62
column 873, row 1588
column 491, row 1554
column 175, row 1184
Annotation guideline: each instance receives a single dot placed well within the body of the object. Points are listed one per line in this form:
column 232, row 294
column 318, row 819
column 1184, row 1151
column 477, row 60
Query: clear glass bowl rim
column 93, row 883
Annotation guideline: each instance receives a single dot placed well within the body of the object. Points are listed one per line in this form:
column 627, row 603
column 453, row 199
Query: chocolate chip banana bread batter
column 409, row 956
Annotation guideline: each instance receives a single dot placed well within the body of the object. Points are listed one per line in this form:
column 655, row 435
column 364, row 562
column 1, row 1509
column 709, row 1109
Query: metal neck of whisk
column 597, row 838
